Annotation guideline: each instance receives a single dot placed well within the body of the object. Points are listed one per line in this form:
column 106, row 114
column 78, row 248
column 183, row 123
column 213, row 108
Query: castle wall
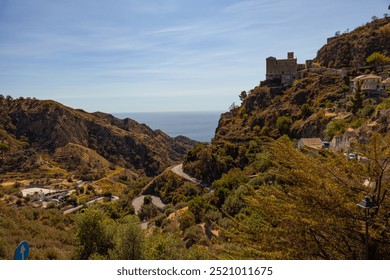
column 283, row 69
column 277, row 67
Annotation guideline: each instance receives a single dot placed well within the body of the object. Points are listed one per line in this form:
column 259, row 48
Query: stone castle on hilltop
column 284, row 72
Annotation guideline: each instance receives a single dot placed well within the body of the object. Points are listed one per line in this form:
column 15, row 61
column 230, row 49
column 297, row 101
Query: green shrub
column 186, row 220
column 366, row 111
column 265, row 130
column 158, row 221
column 336, row 127
column 306, row 110
column 233, row 204
column 148, row 211
column 284, row 123
column 194, row 235
column 357, row 123
column 377, row 58
column 169, row 209
column 130, row 240
column 92, row 234
column 181, row 205
column 385, row 104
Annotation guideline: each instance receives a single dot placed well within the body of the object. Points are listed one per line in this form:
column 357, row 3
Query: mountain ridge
column 48, row 125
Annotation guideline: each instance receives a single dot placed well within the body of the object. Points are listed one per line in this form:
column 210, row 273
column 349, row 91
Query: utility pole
column 367, row 204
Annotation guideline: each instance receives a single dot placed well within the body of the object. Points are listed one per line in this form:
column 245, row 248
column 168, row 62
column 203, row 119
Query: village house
column 38, row 193
column 366, row 83
column 342, row 143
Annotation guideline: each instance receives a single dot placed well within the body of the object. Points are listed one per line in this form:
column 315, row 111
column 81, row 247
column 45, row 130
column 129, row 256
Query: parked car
column 352, row 156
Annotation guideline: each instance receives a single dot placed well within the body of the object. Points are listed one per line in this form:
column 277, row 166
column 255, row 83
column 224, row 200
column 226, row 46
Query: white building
column 342, row 143
column 366, row 82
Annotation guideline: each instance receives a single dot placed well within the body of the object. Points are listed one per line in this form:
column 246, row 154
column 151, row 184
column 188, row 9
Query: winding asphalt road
column 139, row 201
column 69, row 211
column 178, row 170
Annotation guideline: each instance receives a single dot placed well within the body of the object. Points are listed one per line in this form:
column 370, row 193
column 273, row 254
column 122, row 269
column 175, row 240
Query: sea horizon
column 196, row 125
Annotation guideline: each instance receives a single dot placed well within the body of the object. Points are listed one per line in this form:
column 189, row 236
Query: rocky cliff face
column 302, row 110
column 48, row 125
column 351, row 49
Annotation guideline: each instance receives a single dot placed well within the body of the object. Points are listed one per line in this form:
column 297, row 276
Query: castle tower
column 290, row 55
column 271, row 66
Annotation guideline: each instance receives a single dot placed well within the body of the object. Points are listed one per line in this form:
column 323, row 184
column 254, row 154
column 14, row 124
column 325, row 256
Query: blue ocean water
column 198, row 126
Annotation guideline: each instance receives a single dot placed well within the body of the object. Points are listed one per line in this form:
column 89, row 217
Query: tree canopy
column 310, row 211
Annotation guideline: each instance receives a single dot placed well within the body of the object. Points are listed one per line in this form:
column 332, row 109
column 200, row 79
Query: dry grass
column 385, row 30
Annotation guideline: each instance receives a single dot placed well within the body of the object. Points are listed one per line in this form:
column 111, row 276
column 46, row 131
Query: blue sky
column 159, row 55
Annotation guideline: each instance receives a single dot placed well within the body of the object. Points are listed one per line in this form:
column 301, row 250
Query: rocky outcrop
column 351, row 49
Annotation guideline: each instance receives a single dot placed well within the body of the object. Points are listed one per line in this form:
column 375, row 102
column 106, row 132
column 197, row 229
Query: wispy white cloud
column 174, row 29
column 250, row 7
